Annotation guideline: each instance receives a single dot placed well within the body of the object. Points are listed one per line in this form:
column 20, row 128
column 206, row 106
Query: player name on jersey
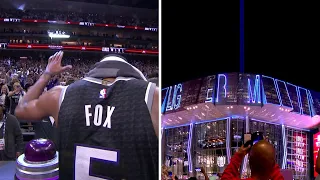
column 97, row 114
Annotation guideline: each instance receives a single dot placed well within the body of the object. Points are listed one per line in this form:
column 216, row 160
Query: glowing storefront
column 204, row 121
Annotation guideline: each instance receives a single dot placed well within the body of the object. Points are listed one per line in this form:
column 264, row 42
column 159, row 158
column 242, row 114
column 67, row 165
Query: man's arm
column 155, row 111
column 37, row 89
column 35, row 106
column 37, row 109
column 232, row 170
column 206, row 177
column 276, row 174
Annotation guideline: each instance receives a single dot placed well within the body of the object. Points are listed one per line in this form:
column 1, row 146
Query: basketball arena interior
column 203, row 122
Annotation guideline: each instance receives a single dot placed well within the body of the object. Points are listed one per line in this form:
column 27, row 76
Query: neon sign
column 209, row 95
column 224, row 86
column 284, row 96
column 316, row 146
column 189, row 148
column 293, row 93
column 221, row 161
column 172, row 99
column 255, row 96
column 231, row 89
column 300, row 152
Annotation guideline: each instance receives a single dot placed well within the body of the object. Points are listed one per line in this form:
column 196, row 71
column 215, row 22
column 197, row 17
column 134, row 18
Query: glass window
column 210, row 146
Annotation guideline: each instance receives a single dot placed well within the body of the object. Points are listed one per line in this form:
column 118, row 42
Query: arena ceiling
column 148, row 4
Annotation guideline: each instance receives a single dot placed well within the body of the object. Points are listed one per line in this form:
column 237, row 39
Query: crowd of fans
column 17, row 75
column 77, row 17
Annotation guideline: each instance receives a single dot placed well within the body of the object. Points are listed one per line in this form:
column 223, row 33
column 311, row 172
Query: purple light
column 284, row 141
column 189, row 147
column 228, row 139
column 213, row 120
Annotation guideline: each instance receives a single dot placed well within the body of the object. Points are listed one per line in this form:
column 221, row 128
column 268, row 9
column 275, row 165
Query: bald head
column 262, row 159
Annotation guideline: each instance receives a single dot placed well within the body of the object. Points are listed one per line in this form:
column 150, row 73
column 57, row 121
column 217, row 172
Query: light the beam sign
column 299, row 152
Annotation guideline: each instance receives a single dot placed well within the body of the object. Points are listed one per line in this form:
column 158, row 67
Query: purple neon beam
column 189, row 148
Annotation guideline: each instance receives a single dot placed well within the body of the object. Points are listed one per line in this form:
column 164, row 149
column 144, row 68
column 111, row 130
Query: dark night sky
column 203, row 39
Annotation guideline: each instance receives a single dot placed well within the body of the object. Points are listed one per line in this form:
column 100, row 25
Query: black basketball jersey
column 106, row 132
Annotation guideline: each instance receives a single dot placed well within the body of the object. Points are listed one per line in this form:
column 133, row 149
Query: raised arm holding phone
column 261, row 151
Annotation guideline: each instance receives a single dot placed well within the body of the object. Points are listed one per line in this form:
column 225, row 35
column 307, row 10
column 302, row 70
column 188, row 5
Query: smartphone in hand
column 247, row 139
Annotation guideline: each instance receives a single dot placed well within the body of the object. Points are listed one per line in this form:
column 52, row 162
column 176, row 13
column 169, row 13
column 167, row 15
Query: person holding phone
column 15, row 96
column 262, row 151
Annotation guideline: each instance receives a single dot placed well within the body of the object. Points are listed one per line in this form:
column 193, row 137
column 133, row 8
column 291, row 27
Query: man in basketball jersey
column 108, row 125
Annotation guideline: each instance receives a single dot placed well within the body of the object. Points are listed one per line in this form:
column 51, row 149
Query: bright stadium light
column 58, row 34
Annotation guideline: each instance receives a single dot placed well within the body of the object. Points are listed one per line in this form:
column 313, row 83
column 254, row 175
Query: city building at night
column 203, row 122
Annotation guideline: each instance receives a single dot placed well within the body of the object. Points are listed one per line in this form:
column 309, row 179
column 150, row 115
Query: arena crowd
column 78, row 17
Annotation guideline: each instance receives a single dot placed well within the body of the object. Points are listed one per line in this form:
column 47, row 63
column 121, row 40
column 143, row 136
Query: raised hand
column 54, row 64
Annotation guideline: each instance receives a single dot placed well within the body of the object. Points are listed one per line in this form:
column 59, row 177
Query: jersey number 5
column 82, row 160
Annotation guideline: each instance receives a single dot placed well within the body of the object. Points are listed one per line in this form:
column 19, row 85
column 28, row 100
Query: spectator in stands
column 262, row 151
column 76, row 16
column 153, row 77
column 27, row 71
column 8, row 76
column 4, row 95
column 11, row 83
column 54, row 82
column 203, row 171
column 10, row 137
column 15, row 96
column 70, row 81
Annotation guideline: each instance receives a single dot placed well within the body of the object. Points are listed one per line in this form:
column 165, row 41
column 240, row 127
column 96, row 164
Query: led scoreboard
column 240, row 89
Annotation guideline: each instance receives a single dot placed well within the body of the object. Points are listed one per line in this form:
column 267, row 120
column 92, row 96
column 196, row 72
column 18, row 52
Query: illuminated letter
column 303, row 93
column 169, row 102
column 296, row 107
column 313, row 111
column 224, row 86
column 282, row 96
column 176, row 99
column 255, row 95
column 164, row 102
column 209, row 95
